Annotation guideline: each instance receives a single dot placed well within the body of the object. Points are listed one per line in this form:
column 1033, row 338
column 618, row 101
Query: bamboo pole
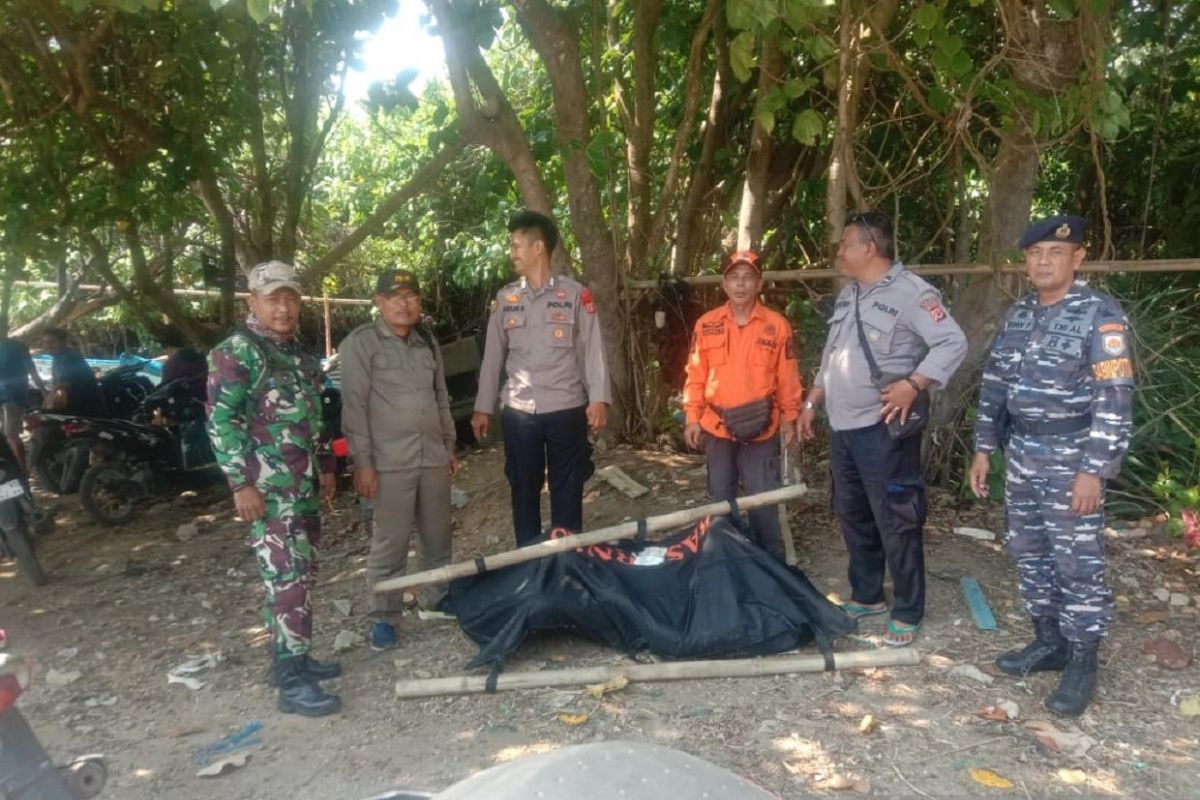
column 826, row 273
column 662, row 671
column 335, row 301
column 625, row 530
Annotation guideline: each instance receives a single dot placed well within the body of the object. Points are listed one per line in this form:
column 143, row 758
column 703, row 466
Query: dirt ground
column 125, row 606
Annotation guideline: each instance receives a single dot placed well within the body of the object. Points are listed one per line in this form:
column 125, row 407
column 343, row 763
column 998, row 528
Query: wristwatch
column 808, row 405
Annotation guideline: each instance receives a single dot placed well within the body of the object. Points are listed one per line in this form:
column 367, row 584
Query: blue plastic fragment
column 980, row 610
column 239, row 740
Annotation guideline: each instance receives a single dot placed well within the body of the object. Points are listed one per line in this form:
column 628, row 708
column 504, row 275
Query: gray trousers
column 409, row 498
column 754, row 466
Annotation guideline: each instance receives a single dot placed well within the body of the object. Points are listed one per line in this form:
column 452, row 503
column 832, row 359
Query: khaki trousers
column 406, row 499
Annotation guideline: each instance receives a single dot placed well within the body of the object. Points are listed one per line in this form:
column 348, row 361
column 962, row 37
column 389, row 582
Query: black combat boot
column 317, row 670
column 1078, row 682
column 1048, row 651
column 299, row 693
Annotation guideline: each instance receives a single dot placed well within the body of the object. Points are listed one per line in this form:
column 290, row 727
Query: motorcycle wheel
column 46, row 457
column 20, row 543
column 85, row 777
column 74, row 459
column 104, row 503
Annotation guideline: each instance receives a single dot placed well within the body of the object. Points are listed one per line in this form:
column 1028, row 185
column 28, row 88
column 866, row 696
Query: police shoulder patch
column 589, row 305
column 933, row 307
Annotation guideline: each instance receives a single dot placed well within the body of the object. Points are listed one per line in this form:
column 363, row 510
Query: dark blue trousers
column 539, row 444
column 879, row 497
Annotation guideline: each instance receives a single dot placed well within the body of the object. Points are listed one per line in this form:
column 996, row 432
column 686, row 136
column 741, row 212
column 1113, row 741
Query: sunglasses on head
column 874, row 219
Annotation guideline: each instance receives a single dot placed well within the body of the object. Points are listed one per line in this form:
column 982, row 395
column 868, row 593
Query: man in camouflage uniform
column 264, row 421
column 1057, row 393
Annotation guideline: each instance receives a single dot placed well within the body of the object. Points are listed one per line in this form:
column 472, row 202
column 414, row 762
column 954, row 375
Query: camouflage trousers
column 1059, row 554
column 285, row 544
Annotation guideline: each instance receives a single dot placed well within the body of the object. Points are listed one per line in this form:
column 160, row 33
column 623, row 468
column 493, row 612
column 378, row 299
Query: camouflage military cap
column 271, row 275
column 1062, row 228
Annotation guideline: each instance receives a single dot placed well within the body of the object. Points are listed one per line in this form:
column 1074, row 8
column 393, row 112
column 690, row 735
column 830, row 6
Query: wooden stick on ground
column 625, row 530
column 664, row 671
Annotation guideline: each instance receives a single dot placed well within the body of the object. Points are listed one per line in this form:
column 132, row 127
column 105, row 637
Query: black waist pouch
column 918, row 414
column 748, row 421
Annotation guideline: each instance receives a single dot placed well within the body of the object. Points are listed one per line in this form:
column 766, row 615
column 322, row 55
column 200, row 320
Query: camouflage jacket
column 1056, row 362
column 264, row 415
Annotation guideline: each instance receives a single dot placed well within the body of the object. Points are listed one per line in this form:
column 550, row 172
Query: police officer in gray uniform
column 1058, row 387
column 545, row 334
column 878, row 483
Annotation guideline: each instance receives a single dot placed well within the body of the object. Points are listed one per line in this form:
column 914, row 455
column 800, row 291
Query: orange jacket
column 729, row 366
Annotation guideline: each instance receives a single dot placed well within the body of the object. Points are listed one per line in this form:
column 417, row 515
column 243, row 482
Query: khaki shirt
column 548, row 343
column 395, row 408
column 908, row 330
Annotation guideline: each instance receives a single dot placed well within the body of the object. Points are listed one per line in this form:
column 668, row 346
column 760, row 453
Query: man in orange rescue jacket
column 742, row 388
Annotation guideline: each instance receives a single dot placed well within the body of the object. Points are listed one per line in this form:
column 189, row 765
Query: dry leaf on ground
column 989, row 778
column 1072, row 742
column 1073, row 777
column 598, row 690
column 572, row 719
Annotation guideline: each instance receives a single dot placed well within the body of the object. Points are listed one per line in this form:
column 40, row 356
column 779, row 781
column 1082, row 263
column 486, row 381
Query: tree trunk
column 554, row 34
column 758, row 162
column 640, row 136
column 702, row 176
column 486, row 115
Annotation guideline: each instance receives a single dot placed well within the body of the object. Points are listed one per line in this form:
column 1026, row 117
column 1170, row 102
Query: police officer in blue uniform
column 890, row 318
column 1057, row 394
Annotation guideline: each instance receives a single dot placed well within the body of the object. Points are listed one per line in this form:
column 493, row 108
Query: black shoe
column 1048, row 651
column 1078, row 682
column 317, row 670
column 299, row 693
column 321, row 670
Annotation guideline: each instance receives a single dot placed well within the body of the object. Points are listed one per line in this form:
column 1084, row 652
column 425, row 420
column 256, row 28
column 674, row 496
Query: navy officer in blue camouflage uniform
column 878, row 481
column 1057, row 393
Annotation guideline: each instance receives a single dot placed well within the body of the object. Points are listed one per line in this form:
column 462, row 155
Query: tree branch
column 419, row 182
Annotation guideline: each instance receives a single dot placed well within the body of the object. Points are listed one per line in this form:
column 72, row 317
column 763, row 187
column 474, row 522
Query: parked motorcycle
column 58, row 455
column 26, row 770
column 164, row 447
column 21, row 520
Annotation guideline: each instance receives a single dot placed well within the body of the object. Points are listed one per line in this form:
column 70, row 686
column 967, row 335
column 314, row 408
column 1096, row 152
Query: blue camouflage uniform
column 1063, row 377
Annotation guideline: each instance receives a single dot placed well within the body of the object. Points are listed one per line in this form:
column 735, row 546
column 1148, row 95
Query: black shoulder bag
column 918, row 412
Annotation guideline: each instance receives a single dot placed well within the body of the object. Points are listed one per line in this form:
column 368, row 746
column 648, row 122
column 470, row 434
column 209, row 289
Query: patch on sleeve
column 789, row 352
column 934, row 308
column 1113, row 369
column 589, row 305
column 1112, row 327
column 1113, row 343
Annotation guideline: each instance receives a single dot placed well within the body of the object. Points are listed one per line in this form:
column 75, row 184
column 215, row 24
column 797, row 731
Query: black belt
column 1052, row 427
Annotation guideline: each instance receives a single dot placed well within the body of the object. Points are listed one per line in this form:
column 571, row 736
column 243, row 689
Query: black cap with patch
column 1062, row 228
column 394, row 280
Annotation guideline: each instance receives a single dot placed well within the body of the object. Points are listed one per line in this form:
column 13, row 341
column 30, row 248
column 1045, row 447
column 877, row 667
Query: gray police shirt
column 908, row 330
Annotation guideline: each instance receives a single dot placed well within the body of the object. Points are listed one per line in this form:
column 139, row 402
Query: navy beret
column 1063, row 228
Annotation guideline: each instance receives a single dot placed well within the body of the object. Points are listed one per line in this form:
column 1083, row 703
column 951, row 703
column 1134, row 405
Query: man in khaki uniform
column 396, row 417
column 545, row 334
